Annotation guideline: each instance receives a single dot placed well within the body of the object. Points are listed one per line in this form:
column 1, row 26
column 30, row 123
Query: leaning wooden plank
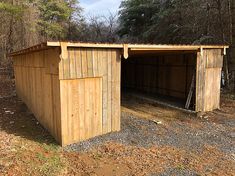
column 190, row 93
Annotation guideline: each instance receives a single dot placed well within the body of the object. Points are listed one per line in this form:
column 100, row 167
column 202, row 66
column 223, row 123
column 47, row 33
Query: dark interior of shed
column 164, row 77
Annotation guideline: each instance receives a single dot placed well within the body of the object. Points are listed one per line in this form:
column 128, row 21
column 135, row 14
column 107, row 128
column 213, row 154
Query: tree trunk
column 222, row 34
column 233, row 40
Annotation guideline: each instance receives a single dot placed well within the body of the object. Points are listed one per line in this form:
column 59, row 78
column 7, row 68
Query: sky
column 99, row 7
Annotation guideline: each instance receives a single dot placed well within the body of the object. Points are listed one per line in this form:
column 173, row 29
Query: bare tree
column 233, row 28
column 223, row 39
column 233, row 38
column 111, row 25
column 101, row 28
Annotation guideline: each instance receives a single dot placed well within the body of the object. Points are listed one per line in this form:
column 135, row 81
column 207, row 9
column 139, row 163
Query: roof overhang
column 128, row 49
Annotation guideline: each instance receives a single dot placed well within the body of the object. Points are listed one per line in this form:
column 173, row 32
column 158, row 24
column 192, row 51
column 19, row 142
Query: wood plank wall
column 91, row 67
column 37, row 84
column 88, row 83
column 169, row 75
column 209, row 67
column 82, row 103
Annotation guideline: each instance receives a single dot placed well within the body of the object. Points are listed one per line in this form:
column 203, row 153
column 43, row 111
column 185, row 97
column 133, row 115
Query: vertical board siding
column 37, row 84
column 167, row 74
column 214, row 59
column 212, row 89
column 208, row 82
column 116, row 90
column 81, row 102
column 91, row 63
column 200, row 81
column 79, row 97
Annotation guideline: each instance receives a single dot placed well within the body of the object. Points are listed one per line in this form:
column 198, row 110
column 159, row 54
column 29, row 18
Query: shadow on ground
column 15, row 118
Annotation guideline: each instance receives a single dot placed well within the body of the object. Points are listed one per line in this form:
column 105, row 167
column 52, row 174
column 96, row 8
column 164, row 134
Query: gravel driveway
column 147, row 125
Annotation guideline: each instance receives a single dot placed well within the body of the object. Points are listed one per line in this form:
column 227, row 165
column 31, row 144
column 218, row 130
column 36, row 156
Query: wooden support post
column 201, row 50
column 64, row 50
column 125, row 51
column 225, row 49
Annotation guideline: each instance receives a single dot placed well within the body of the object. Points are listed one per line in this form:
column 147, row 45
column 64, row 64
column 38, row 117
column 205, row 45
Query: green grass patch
column 51, row 166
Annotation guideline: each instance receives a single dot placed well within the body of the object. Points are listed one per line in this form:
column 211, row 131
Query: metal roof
column 130, row 47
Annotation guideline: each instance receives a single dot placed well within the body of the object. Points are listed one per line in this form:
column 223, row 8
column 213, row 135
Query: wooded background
column 28, row 22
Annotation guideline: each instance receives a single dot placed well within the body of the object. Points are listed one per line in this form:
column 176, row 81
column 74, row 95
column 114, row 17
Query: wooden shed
column 74, row 89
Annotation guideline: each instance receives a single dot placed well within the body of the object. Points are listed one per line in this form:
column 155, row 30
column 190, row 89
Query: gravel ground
column 177, row 172
column 131, row 134
column 145, row 133
column 189, row 133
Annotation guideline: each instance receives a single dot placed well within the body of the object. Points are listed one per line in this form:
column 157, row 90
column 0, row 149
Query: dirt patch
column 157, row 160
column 7, row 88
column 203, row 142
column 181, row 145
column 26, row 147
column 150, row 110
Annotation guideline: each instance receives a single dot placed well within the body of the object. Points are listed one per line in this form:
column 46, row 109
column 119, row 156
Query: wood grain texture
column 79, row 97
column 168, row 74
column 209, row 66
column 81, row 105
column 92, row 63
column 87, row 82
column 37, row 83
column 200, row 81
column 212, row 89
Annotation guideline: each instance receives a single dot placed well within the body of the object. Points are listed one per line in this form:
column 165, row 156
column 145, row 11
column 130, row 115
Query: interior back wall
column 169, row 75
